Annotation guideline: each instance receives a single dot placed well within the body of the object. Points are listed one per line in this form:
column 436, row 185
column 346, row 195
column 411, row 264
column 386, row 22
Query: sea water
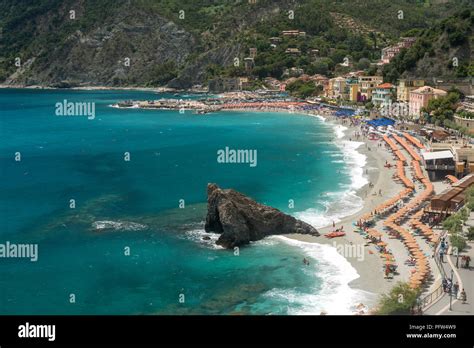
column 116, row 205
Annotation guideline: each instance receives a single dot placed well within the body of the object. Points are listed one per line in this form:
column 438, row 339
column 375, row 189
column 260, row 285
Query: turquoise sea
column 170, row 269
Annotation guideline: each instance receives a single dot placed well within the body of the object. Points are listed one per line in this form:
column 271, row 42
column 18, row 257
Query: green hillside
column 186, row 42
column 443, row 50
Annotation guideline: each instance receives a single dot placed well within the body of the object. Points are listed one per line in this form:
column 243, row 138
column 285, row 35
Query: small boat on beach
column 335, row 234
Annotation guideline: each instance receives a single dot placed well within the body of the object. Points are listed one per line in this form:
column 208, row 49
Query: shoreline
column 370, row 271
column 370, row 268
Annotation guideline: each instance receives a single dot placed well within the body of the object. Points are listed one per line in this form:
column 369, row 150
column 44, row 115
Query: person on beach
column 387, row 271
column 463, row 296
column 333, row 224
column 441, row 253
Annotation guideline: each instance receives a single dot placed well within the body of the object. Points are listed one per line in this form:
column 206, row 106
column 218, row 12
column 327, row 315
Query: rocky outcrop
column 241, row 220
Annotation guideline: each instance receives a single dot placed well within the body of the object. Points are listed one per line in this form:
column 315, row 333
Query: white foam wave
column 356, row 162
column 339, row 130
column 338, row 205
column 118, row 225
column 204, row 238
column 341, row 204
column 335, row 295
column 321, row 118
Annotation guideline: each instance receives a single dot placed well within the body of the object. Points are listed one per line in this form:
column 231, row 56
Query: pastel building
column 293, row 33
column 321, row 80
column 367, row 85
column 388, row 53
column 405, row 86
column 420, row 97
column 382, row 94
column 337, row 88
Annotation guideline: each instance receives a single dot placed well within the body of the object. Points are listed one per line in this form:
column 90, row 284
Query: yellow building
column 404, row 88
column 353, row 92
column 367, row 85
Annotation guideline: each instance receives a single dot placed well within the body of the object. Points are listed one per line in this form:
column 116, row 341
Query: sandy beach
column 370, row 266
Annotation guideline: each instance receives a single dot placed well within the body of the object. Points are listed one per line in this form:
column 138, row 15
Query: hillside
column 445, row 50
column 187, row 42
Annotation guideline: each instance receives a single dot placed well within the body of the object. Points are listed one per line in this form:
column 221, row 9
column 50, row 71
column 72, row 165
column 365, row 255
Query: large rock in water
column 240, row 219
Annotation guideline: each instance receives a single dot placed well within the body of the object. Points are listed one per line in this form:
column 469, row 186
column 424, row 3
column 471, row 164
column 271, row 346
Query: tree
column 338, row 55
column 400, row 300
column 363, row 64
column 453, row 224
column 458, row 242
column 464, row 214
column 302, row 89
column 369, row 105
column 319, row 67
column 470, row 234
column 373, row 36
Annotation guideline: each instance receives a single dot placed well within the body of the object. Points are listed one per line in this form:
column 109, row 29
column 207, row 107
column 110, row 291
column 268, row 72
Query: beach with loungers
column 398, row 244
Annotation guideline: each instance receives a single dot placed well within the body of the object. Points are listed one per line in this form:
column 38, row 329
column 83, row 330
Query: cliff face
column 110, row 43
column 241, row 220
column 125, row 50
column 195, row 71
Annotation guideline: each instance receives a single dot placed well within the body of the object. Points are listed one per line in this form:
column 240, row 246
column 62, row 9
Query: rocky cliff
column 241, row 220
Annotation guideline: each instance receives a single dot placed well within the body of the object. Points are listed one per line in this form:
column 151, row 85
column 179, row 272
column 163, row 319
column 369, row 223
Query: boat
column 335, row 234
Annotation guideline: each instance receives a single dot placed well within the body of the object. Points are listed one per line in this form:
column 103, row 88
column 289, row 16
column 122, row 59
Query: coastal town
column 252, row 159
column 433, row 100
column 416, row 221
